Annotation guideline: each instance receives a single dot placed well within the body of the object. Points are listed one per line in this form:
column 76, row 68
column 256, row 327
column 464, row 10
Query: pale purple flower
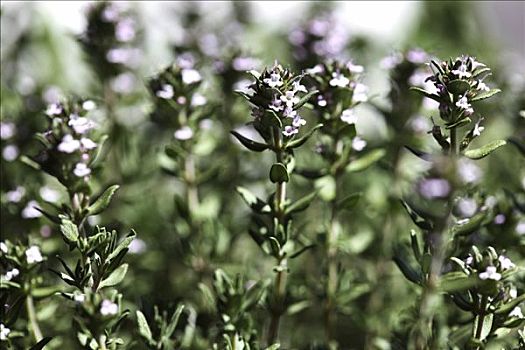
column 242, row 64
column 318, row 69
column 7, row 130
column 185, row 60
column 45, row 231
column 516, row 312
column 420, row 124
column 111, row 13
column 125, row 30
column 434, row 188
column 348, row 116
column 499, row 219
column 468, row 171
column 274, row 80
column 33, row 255
column 68, row 144
column 52, row 94
column 319, row 27
column 124, row 55
column 417, row 56
column 16, row 195
column 339, row 80
column 4, row 332
column 290, row 131
column 190, row 76
column 81, row 170
column 277, row 105
column 11, row 274
column 478, row 129
column 289, row 98
column 54, row 109
column 89, row 105
column 10, row 153
column 418, row 78
column 463, row 104
column 184, row 133
column 355, row 68
column 467, row 207
column 360, row 93
column 297, row 121
column 392, row 60
column 297, row 86
column 181, row 100
column 296, row 37
column 81, row 125
column 490, row 274
column 505, row 263
column 198, row 100
column 48, row 194
column 87, row 143
column 30, row 212
column 358, row 144
column 137, row 246
column 482, row 86
column 123, row 83
column 462, row 71
column 166, row 92
column 108, row 308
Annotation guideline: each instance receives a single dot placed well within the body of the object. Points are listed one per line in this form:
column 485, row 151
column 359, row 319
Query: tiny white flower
column 274, row 80
column 360, row 93
column 499, row 219
column 467, row 207
column 49, row 195
column 277, row 105
column 108, row 308
column 89, row 105
column 290, row 130
column 123, row 83
column 520, row 227
column 391, row 60
column 477, row 129
column 81, row 170
column 417, row 56
column 7, row 130
column 490, row 273
column 339, row 80
column 516, row 312
column 79, row 298
column 11, row 274
column 469, row 260
column 434, row 188
column 462, row 71
column 80, row 124
column 29, row 212
column 125, row 30
column 505, row 263
column 482, row 86
column 166, row 92
column 463, row 104
column 289, row 98
column 16, row 195
column 137, row 246
column 54, row 109
column 468, row 171
column 298, row 121
column 316, row 69
column 33, row 255
column 181, row 100
column 349, row 116
column 358, row 144
column 68, row 144
column 297, row 86
column 184, row 133
column 513, row 293
column 3, row 247
column 4, row 332
column 198, row 100
column 354, row 68
column 190, row 76
column 87, row 143
column 10, row 153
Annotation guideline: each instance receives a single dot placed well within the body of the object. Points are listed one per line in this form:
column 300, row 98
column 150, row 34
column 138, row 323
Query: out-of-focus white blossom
column 490, row 273
column 184, row 133
column 190, row 76
column 434, row 188
column 108, row 308
column 30, row 212
column 68, row 144
column 358, row 144
column 81, row 170
column 33, row 255
column 7, row 130
column 349, row 116
column 10, row 153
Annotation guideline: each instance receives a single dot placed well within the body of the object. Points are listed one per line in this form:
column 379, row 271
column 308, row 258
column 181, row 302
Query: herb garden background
column 301, row 186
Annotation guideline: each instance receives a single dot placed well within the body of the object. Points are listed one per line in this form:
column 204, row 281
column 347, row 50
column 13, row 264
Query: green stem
column 332, row 278
column 31, row 313
column 482, row 310
column 453, row 142
column 191, row 188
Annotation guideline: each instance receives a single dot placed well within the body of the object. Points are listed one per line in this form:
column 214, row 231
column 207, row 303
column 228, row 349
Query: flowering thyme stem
column 30, row 306
column 280, row 277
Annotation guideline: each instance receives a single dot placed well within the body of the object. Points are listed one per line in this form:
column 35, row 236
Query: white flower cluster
column 33, row 255
column 4, row 332
column 491, row 272
column 108, row 308
column 9, row 275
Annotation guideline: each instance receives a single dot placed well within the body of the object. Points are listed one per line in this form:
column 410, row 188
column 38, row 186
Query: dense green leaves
column 103, row 201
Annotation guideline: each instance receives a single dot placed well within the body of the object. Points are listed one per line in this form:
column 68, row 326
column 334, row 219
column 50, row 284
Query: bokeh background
column 43, row 58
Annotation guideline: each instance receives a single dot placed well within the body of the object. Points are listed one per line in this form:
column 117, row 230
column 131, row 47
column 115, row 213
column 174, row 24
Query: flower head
column 81, row 170
column 4, row 332
column 68, row 144
column 339, row 80
column 166, row 92
column 490, row 273
column 108, row 308
column 184, row 133
column 190, row 76
column 505, row 263
column 33, row 255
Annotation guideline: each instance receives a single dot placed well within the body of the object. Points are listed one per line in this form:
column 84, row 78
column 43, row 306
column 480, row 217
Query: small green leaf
column 456, row 281
column 305, row 99
column 457, row 124
column 250, row 144
column 174, row 320
column 458, row 86
column 426, row 93
column 144, row 329
column 258, row 205
column 417, row 217
column 408, row 271
column 69, row 231
column 301, row 204
column 41, row 344
column 349, row 202
column 486, row 326
column 508, row 307
column 300, row 141
column 484, row 151
column 278, row 173
column 415, row 245
column 301, row 251
column 115, row 277
column 103, row 201
column 485, row 95
column 122, row 245
column 365, row 161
